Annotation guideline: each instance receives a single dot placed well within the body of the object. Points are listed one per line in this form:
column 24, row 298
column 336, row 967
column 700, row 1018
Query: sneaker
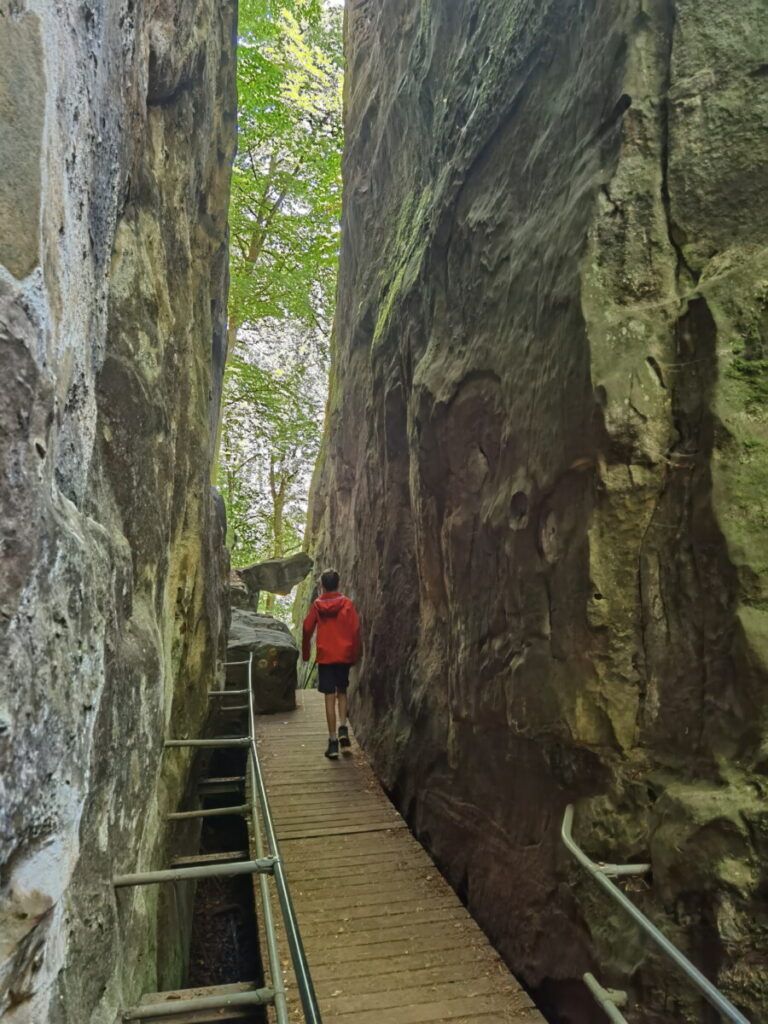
column 333, row 749
column 344, row 741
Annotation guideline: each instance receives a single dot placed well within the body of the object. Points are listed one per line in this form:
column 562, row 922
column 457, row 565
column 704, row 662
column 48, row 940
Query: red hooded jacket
column 338, row 630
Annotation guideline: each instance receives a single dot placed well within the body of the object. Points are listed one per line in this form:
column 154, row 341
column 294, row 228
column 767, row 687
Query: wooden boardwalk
column 387, row 939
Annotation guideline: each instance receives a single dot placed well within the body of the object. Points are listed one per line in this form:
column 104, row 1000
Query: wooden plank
column 221, row 789
column 426, row 978
column 204, row 1016
column 210, row 858
column 355, row 876
column 338, row 873
column 382, row 926
column 391, row 968
column 415, row 995
column 369, row 867
column 171, row 995
column 456, row 1009
column 331, row 804
column 364, row 897
column 200, row 1016
column 375, row 847
column 311, row 832
column 406, row 943
column 339, row 860
column 222, row 778
column 340, row 823
column 358, row 813
column 371, row 816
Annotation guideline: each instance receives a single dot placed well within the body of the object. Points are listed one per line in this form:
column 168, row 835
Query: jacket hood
column 329, row 605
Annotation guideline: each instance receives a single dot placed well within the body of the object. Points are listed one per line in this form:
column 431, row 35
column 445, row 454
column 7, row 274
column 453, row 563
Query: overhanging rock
column 276, row 575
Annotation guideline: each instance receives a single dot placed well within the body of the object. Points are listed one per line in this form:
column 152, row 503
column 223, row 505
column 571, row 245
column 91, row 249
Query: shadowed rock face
column 117, row 132
column 543, row 475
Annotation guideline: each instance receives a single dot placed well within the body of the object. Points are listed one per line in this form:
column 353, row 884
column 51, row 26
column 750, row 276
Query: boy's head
column 330, row 580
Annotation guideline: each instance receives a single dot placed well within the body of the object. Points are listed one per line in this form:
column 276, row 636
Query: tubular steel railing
column 713, row 995
column 219, row 997
column 606, row 999
column 290, row 924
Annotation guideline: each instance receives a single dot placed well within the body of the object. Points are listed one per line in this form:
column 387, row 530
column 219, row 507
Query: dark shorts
column 333, row 678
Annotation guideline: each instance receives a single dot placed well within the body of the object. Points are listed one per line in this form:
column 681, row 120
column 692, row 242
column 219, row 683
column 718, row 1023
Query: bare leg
column 342, row 699
column 330, row 712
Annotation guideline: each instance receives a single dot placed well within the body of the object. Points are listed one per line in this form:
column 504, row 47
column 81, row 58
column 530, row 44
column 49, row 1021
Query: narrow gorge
column 542, row 477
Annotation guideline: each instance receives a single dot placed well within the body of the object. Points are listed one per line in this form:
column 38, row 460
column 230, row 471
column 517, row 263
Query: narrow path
column 387, row 939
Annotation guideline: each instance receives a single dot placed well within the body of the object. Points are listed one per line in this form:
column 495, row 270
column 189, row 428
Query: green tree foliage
column 286, row 187
column 284, row 221
column 270, row 441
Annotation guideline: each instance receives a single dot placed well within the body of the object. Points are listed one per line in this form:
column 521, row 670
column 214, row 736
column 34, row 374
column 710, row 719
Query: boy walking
column 338, row 648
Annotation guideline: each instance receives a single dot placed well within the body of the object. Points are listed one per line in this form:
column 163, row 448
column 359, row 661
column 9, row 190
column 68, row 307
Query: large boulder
column 276, row 575
column 274, row 664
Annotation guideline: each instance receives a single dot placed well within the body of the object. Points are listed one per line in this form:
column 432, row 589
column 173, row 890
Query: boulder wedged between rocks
column 275, row 575
column 275, row 656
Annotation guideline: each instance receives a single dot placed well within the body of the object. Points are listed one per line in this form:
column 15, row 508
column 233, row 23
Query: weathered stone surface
column 22, row 99
column 239, row 595
column 276, row 575
column 544, row 472
column 113, row 207
column 275, row 655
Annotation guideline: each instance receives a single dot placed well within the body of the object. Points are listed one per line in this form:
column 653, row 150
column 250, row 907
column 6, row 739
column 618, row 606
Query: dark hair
column 330, row 579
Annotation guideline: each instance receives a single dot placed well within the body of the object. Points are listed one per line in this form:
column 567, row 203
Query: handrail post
column 713, row 995
column 604, row 999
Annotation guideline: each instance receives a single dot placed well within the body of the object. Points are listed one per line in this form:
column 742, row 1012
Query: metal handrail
column 713, row 995
column 264, row 866
column 280, row 1004
column 293, row 935
column 605, row 999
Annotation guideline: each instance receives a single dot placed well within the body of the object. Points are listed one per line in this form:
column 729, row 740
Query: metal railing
column 290, row 924
column 600, row 873
column 221, row 997
column 607, row 999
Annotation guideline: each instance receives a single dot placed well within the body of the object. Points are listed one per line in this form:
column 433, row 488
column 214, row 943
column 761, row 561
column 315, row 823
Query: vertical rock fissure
column 667, row 30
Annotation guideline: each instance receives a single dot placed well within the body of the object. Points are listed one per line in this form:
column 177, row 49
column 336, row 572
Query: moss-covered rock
column 117, row 133
column 544, row 465
column 273, row 674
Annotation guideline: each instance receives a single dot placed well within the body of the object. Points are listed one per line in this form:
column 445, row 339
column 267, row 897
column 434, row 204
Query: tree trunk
column 278, row 493
column 232, row 328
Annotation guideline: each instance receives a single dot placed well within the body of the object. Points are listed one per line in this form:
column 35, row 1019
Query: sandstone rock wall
column 544, row 472
column 116, row 139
